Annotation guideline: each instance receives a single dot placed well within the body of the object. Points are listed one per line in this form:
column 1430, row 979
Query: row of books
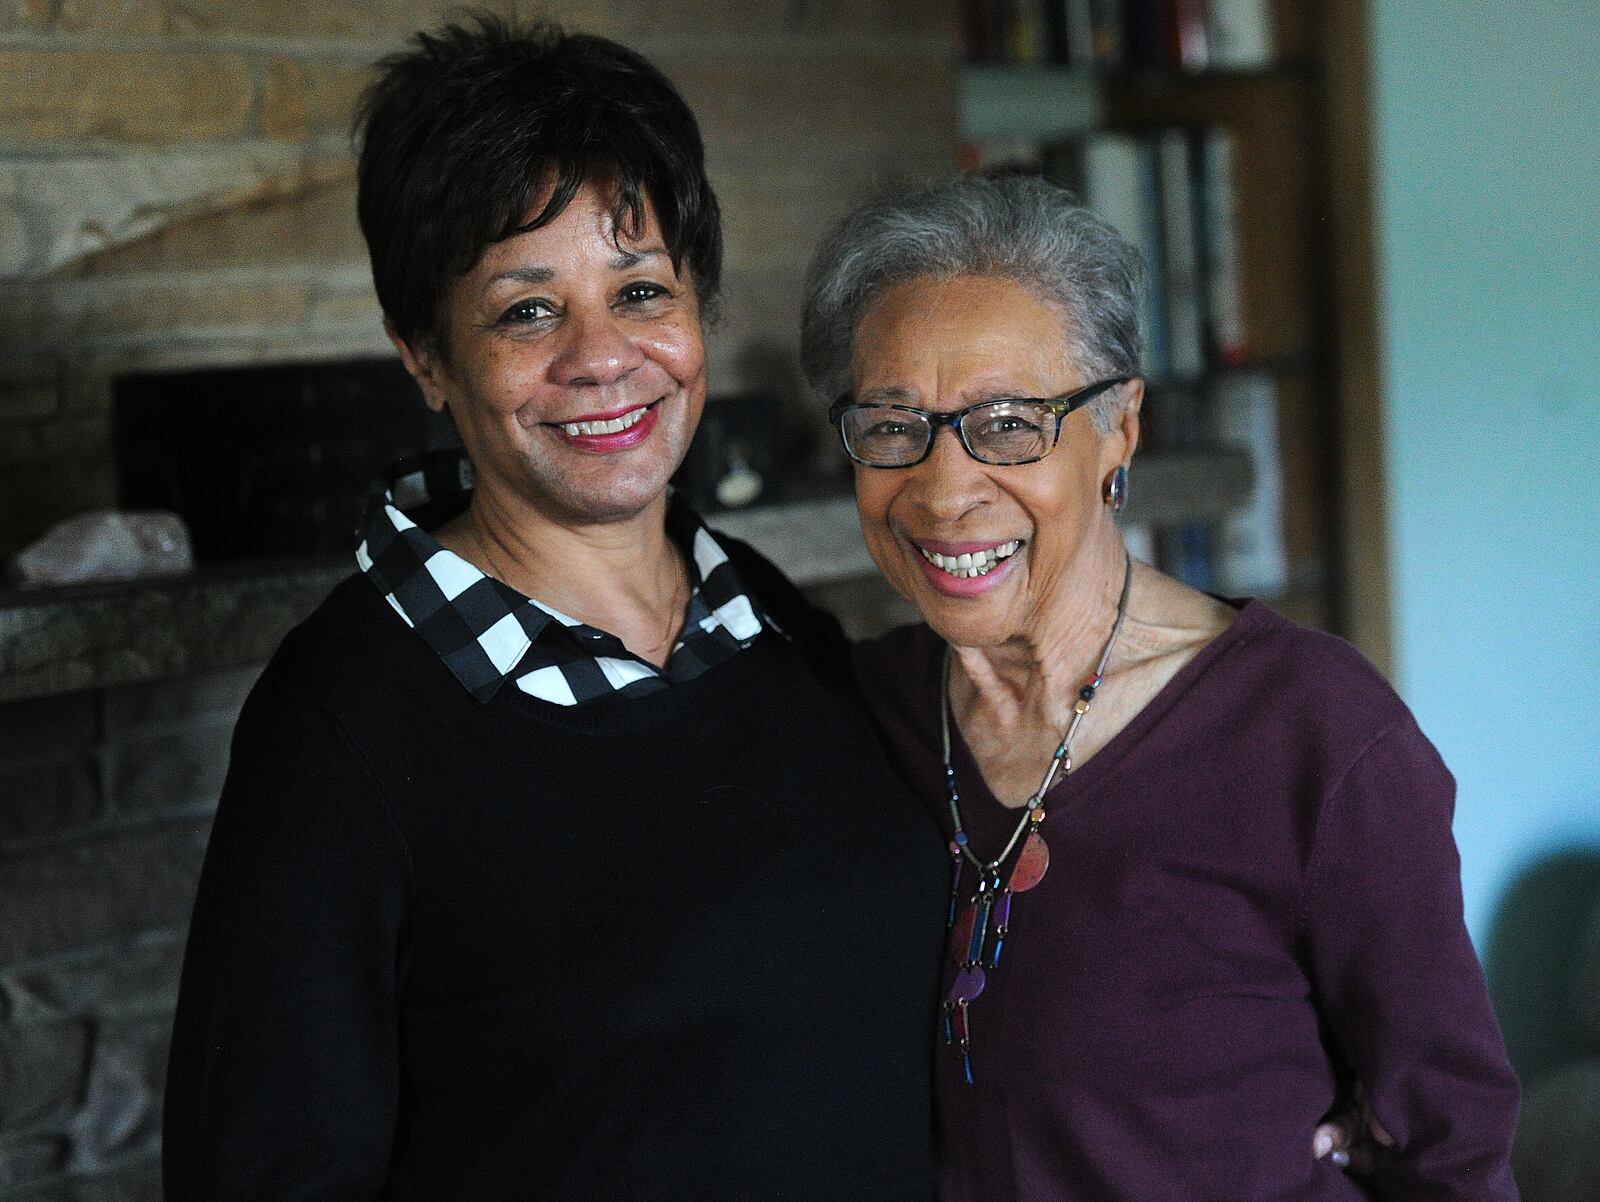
column 1191, row 35
column 1172, row 193
column 1243, row 554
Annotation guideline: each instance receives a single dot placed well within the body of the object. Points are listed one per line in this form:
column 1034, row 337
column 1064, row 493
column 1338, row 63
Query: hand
column 1349, row 1135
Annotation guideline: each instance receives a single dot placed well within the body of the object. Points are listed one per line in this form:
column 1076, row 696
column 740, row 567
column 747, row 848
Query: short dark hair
column 462, row 131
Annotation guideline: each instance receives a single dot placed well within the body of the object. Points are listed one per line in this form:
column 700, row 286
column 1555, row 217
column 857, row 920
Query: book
column 1144, row 24
column 1150, row 240
column 1188, row 34
column 1218, row 199
column 1175, row 423
column 1249, row 556
column 999, row 154
column 1110, row 38
column 1027, row 37
column 1078, row 23
column 1181, row 278
column 1240, row 34
column 980, row 31
column 1119, row 182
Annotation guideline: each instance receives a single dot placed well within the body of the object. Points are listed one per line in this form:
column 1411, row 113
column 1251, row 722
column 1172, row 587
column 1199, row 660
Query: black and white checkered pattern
column 487, row 633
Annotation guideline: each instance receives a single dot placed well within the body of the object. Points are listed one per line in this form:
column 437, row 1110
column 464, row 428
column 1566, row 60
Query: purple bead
column 968, row 985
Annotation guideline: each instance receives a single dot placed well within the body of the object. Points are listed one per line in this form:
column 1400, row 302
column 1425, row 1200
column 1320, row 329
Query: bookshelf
column 1289, row 102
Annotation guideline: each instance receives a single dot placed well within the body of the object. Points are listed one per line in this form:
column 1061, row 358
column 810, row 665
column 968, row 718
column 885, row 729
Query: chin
column 970, row 630
column 610, row 488
column 615, row 500
column 965, row 622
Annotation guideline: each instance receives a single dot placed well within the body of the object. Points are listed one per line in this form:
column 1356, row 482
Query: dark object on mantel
column 736, row 459
column 268, row 461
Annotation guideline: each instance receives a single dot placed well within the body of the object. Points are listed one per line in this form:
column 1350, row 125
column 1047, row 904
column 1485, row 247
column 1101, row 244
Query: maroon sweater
column 1253, row 896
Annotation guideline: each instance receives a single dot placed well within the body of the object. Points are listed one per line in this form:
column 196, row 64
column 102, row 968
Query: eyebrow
column 525, row 275
column 889, row 394
column 898, row 394
column 623, row 260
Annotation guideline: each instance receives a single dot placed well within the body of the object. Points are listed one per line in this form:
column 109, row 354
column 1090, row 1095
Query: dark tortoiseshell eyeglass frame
column 1059, row 407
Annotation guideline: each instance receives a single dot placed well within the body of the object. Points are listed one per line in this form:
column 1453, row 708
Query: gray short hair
column 1018, row 227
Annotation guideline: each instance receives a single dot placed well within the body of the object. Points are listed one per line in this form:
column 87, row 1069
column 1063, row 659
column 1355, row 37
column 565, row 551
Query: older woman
column 555, row 860
column 1201, row 857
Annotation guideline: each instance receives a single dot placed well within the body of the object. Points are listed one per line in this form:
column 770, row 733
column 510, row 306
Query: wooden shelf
column 61, row 639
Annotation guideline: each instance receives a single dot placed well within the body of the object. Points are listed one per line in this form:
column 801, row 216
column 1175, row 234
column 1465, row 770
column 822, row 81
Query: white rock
column 108, row 544
column 55, row 210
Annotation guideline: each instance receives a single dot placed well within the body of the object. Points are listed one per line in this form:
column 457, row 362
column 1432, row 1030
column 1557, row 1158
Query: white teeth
column 615, row 426
column 968, row 565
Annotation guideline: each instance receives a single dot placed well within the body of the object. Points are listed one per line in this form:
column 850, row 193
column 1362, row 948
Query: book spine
column 1145, row 23
column 1187, row 34
column 1225, row 302
column 1057, row 47
column 1180, row 258
column 1150, row 241
column 1250, row 557
column 1026, row 38
column 1240, row 34
column 1079, row 19
column 1110, row 41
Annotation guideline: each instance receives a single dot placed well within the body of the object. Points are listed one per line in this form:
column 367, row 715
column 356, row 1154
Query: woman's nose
column 595, row 349
column 949, row 482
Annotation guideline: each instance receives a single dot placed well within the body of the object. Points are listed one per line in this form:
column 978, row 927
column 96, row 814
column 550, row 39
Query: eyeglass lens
column 1000, row 432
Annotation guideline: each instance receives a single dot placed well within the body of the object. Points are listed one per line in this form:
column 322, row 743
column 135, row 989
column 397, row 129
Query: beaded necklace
column 970, row 947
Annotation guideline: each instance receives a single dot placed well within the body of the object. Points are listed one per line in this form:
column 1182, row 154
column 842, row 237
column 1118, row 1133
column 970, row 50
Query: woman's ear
column 1123, row 440
column 425, row 366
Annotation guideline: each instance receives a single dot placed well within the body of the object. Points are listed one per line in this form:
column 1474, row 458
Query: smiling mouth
column 614, row 425
column 970, row 565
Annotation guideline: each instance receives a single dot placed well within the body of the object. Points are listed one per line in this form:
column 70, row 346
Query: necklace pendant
column 1032, row 863
column 968, row 986
column 962, row 1032
column 1002, row 925
column 983, row 905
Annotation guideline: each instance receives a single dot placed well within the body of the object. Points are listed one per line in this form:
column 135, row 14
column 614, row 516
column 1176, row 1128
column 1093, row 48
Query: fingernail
column 1340, row 1158
column 1321, row 1145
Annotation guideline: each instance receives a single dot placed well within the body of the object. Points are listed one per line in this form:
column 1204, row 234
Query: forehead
column 587, row 228
column 930, row 335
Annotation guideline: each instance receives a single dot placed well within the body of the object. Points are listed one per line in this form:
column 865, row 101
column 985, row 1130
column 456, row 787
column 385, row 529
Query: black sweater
column 684, row 946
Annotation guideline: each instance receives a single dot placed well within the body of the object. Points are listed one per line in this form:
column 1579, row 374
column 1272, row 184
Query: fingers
column 1358, row 1161
column 1376, row 1130
column 1330, row 1139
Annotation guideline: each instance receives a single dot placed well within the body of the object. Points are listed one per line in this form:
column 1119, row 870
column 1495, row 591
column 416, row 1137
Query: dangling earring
column 1115, row 493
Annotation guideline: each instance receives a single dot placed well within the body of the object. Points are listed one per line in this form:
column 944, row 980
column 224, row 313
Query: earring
column 1115, row 493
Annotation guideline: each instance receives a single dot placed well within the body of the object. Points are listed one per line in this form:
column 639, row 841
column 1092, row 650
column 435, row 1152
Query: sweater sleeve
column 1398, row 979
column 283, row 1079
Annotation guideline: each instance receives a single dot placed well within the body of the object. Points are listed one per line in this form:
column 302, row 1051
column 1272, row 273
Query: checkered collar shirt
column 488, row 633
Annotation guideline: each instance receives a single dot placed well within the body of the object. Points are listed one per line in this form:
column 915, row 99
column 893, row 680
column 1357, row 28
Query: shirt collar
column 480, row 627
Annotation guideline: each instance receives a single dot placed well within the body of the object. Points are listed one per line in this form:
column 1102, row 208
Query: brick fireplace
column 176, row 194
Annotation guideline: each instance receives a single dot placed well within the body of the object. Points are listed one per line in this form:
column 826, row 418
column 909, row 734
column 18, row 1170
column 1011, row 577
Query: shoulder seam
column 385, row 801
column 1325, row 802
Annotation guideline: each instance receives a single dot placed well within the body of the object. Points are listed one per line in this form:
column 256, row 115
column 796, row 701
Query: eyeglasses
column 1000, row 433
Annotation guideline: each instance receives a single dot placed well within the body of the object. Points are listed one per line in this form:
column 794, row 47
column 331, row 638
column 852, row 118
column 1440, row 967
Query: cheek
column 680, row 351
column 875, row 493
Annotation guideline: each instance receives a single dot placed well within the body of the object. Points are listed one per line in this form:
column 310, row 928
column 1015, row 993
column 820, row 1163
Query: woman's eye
column 528, row 310
column 641, row 292
column 1008, row 424
column 887, row 429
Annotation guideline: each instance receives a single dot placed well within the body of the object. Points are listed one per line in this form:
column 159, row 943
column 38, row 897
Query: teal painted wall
column 1488, row 213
